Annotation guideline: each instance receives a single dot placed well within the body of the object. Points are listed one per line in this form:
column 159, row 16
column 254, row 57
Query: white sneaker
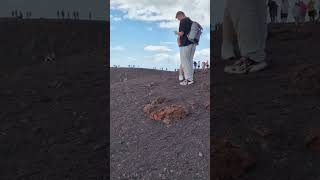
column 181, row 78
column 245, row 65
column 186, row 82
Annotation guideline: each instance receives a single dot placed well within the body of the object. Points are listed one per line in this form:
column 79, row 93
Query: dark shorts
column 284, row 15
column 312, row 13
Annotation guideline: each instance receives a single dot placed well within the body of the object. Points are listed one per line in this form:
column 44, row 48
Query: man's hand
column 180, row 33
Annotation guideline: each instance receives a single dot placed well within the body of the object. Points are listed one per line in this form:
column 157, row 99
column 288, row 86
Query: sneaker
column 181, row 78
column 245, row 65
column 186, row 82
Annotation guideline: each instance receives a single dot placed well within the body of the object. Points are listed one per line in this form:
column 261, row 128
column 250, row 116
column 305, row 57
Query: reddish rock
column 313, row 140
column 229, row 160
column 148, row 108
column 306, row 77
column 169, row 113
column 262, row 131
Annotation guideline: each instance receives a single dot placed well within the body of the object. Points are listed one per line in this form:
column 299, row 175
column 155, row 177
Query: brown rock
column 306, row 77
column 169, row 113
column 262, row 131
column 229, row 160
column 313, row 140
column 148, row 108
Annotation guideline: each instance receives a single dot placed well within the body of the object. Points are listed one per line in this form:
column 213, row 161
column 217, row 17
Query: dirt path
column 142, row 148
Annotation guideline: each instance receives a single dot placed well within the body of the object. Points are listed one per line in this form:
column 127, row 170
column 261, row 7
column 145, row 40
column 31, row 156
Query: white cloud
column 203, row 54
column 164, row 57
column 149, row 28
column 164, row 11
column 117, row 48
column 157, row 48
column 169, row 24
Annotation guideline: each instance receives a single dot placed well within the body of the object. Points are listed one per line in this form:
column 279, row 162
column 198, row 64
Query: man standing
column 284, row 10
column 303, row 11
column 248, row 20
column 187, row 48
column 90, row 15
column 273, row 10
column 312, row 10
column 195, row 64
column 62, row 14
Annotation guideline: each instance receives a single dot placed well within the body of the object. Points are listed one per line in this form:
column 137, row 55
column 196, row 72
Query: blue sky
column 143, row 35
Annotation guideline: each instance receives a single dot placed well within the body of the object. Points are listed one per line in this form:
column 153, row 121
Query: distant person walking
column 195, row 64
column 58, row 14
column 303, row 11
column 90, row 15
column 62, row 14
column 273, row 10
column 284, row 10
column 248, row 20
column 68, row 15
column 187, row 48
column 12, row 13
column 199, row 64
column 16, row 13
column 203, row 65
column 296, row 13
column 20, row 15
column 312, row 10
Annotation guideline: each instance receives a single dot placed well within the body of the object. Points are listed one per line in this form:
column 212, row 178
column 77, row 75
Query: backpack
column 195, row 32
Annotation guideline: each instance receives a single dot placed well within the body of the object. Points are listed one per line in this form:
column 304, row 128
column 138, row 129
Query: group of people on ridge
column 204, row 64
column 299, row 10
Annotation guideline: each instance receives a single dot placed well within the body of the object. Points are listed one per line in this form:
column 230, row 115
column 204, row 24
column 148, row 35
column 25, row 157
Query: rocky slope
column 159, row 129
column 270, row 119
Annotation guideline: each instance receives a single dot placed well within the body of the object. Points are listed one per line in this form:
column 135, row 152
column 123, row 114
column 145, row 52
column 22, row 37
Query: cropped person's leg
column 252, row 29
column 249, row 18
column 185, row 61
column 227, row 50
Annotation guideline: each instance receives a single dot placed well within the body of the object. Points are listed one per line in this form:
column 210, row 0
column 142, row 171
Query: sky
column 48, row 8
column 142, row 32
